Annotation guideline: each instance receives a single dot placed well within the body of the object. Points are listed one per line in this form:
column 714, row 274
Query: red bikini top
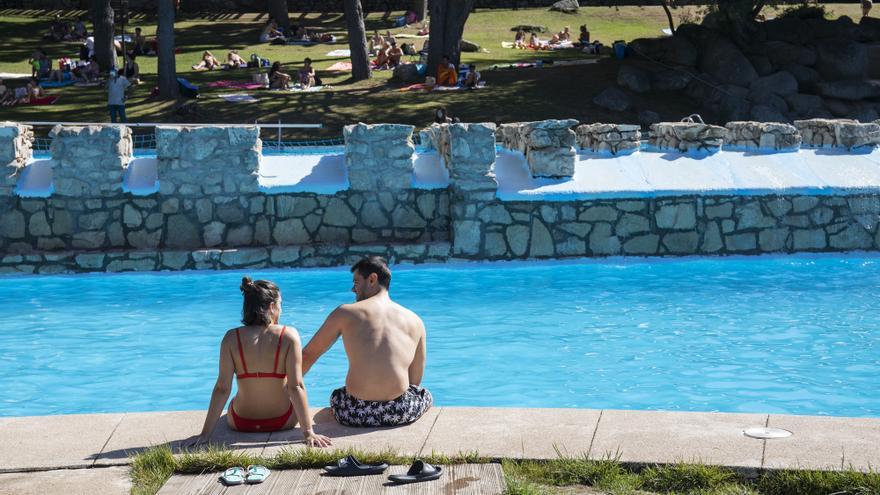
column 274, row 373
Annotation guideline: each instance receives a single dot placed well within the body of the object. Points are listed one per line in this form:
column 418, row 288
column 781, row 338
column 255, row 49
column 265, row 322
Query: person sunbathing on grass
column 26, row 94
column 266, row 359
column 519, row 41
column 278, row 79
column 385, row 345
column 381, row 61
column 446, row 75
column 394, row 53
column 307, row 74
column 376, row 41
column 564, row 35
column 209, row 62
column 234, row 60
column 270, row 32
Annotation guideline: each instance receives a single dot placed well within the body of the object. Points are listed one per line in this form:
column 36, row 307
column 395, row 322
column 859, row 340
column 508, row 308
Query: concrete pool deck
column 642, row 437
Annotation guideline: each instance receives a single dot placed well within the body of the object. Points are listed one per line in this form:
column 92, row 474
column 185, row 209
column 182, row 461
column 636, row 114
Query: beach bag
column 400, row 21
column 262, row 78
column 187, row 89
column 264, row 62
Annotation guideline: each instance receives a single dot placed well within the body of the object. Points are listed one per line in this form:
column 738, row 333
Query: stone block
column 609, row 138
column 762, row 136
column 379, row 156
column 89, row 160
column 548, row 145
column 16, row 144
column 687, row 136
column 206, row 159
column 838, row 133
column 466, row 237
column 678, row 216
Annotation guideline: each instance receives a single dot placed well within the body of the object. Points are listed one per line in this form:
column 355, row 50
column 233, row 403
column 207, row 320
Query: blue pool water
column 797, row 335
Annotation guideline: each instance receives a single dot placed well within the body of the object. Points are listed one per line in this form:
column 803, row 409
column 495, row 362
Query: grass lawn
column 511, row 94
column 569, row 475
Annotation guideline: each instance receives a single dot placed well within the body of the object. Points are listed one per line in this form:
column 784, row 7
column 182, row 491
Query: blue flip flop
column 256, row 474
column 233, row 476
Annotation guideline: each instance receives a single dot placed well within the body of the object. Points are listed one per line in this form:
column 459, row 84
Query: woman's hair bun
column 246, row 284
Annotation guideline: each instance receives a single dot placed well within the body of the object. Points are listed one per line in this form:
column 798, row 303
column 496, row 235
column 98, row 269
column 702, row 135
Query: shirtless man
column 385, row 344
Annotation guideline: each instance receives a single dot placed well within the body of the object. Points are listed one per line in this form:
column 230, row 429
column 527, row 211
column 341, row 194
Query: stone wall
column 548, row 145
column 468, row 152
column 16, row 142
column 763, row 136
column 609, row 138
column 209, row 211
column 379, row 157
column 89, row 161
column 203, row 161
column 687, row 136
column 838, row 133
column 668, row 226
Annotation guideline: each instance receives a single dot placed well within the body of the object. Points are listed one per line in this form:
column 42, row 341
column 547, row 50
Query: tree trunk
column 167, row 67
column 447, row 26
column 665, row 4
column 102, row 19
column 357, row 40
column 278, row 11
column 420, row 7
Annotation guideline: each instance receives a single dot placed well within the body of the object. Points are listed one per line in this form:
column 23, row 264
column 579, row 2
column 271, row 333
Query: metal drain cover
column 766, row 433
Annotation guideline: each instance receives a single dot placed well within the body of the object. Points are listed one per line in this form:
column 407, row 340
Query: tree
column 278, row 11
column 667, row 4
column 102, row 20
column 165, row 35
column 357, row 40
column 447, row 26
column 420, row 7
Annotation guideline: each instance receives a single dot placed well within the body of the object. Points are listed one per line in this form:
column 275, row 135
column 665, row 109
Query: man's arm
column 417, row 367
column 323, row 339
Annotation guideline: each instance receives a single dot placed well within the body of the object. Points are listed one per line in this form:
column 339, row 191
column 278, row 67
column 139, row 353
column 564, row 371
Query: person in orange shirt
column 446, row 74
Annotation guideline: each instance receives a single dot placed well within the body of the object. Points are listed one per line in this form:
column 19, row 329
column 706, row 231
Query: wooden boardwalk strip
column 463, row 479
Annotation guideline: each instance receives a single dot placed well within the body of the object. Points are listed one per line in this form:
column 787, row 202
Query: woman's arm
column 296, row 389
column 222, row 388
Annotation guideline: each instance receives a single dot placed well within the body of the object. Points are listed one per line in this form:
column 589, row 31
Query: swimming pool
column 794, row 334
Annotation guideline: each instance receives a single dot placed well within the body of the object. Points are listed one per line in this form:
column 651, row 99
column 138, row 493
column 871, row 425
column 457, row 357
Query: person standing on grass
column 116, row 87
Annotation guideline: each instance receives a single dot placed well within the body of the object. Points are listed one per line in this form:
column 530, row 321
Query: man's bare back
column 384, row 342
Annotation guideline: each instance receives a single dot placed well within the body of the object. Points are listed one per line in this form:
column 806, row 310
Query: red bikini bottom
column 259, row 425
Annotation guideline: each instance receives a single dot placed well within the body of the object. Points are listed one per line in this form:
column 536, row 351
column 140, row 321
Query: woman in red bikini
column 267, row 360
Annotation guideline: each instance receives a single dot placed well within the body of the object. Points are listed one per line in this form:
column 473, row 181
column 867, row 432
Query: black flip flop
column 419, row 471
column 349, row 466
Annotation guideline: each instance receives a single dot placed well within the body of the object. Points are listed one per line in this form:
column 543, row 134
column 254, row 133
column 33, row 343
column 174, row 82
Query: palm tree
column 357, row 40
column 165, row 34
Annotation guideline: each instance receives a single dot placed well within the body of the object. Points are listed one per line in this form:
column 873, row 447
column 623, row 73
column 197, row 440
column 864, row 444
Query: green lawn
column 511, row 95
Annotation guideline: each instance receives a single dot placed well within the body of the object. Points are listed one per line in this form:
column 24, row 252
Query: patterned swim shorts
column 351, row 411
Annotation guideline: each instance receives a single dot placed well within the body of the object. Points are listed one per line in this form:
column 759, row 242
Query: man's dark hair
column 259, row 296
column 374, row 264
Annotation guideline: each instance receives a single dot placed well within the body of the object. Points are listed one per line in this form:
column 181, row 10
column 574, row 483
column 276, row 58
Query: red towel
column 46, row 100
column 234, row 84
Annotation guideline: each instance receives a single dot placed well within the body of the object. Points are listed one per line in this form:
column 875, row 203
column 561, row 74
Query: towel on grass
column 239, row 98
column 299, row 89
column 415, row 36
column 234, row 84
column 87, row 84
column 339, row 53
column 14, row 75
column 46, row 100
column 418, row 86
column 56, row 84
column 340, row 67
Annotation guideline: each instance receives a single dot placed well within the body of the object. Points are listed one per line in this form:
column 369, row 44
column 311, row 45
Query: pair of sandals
column 238, row 475
column 419, row 471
